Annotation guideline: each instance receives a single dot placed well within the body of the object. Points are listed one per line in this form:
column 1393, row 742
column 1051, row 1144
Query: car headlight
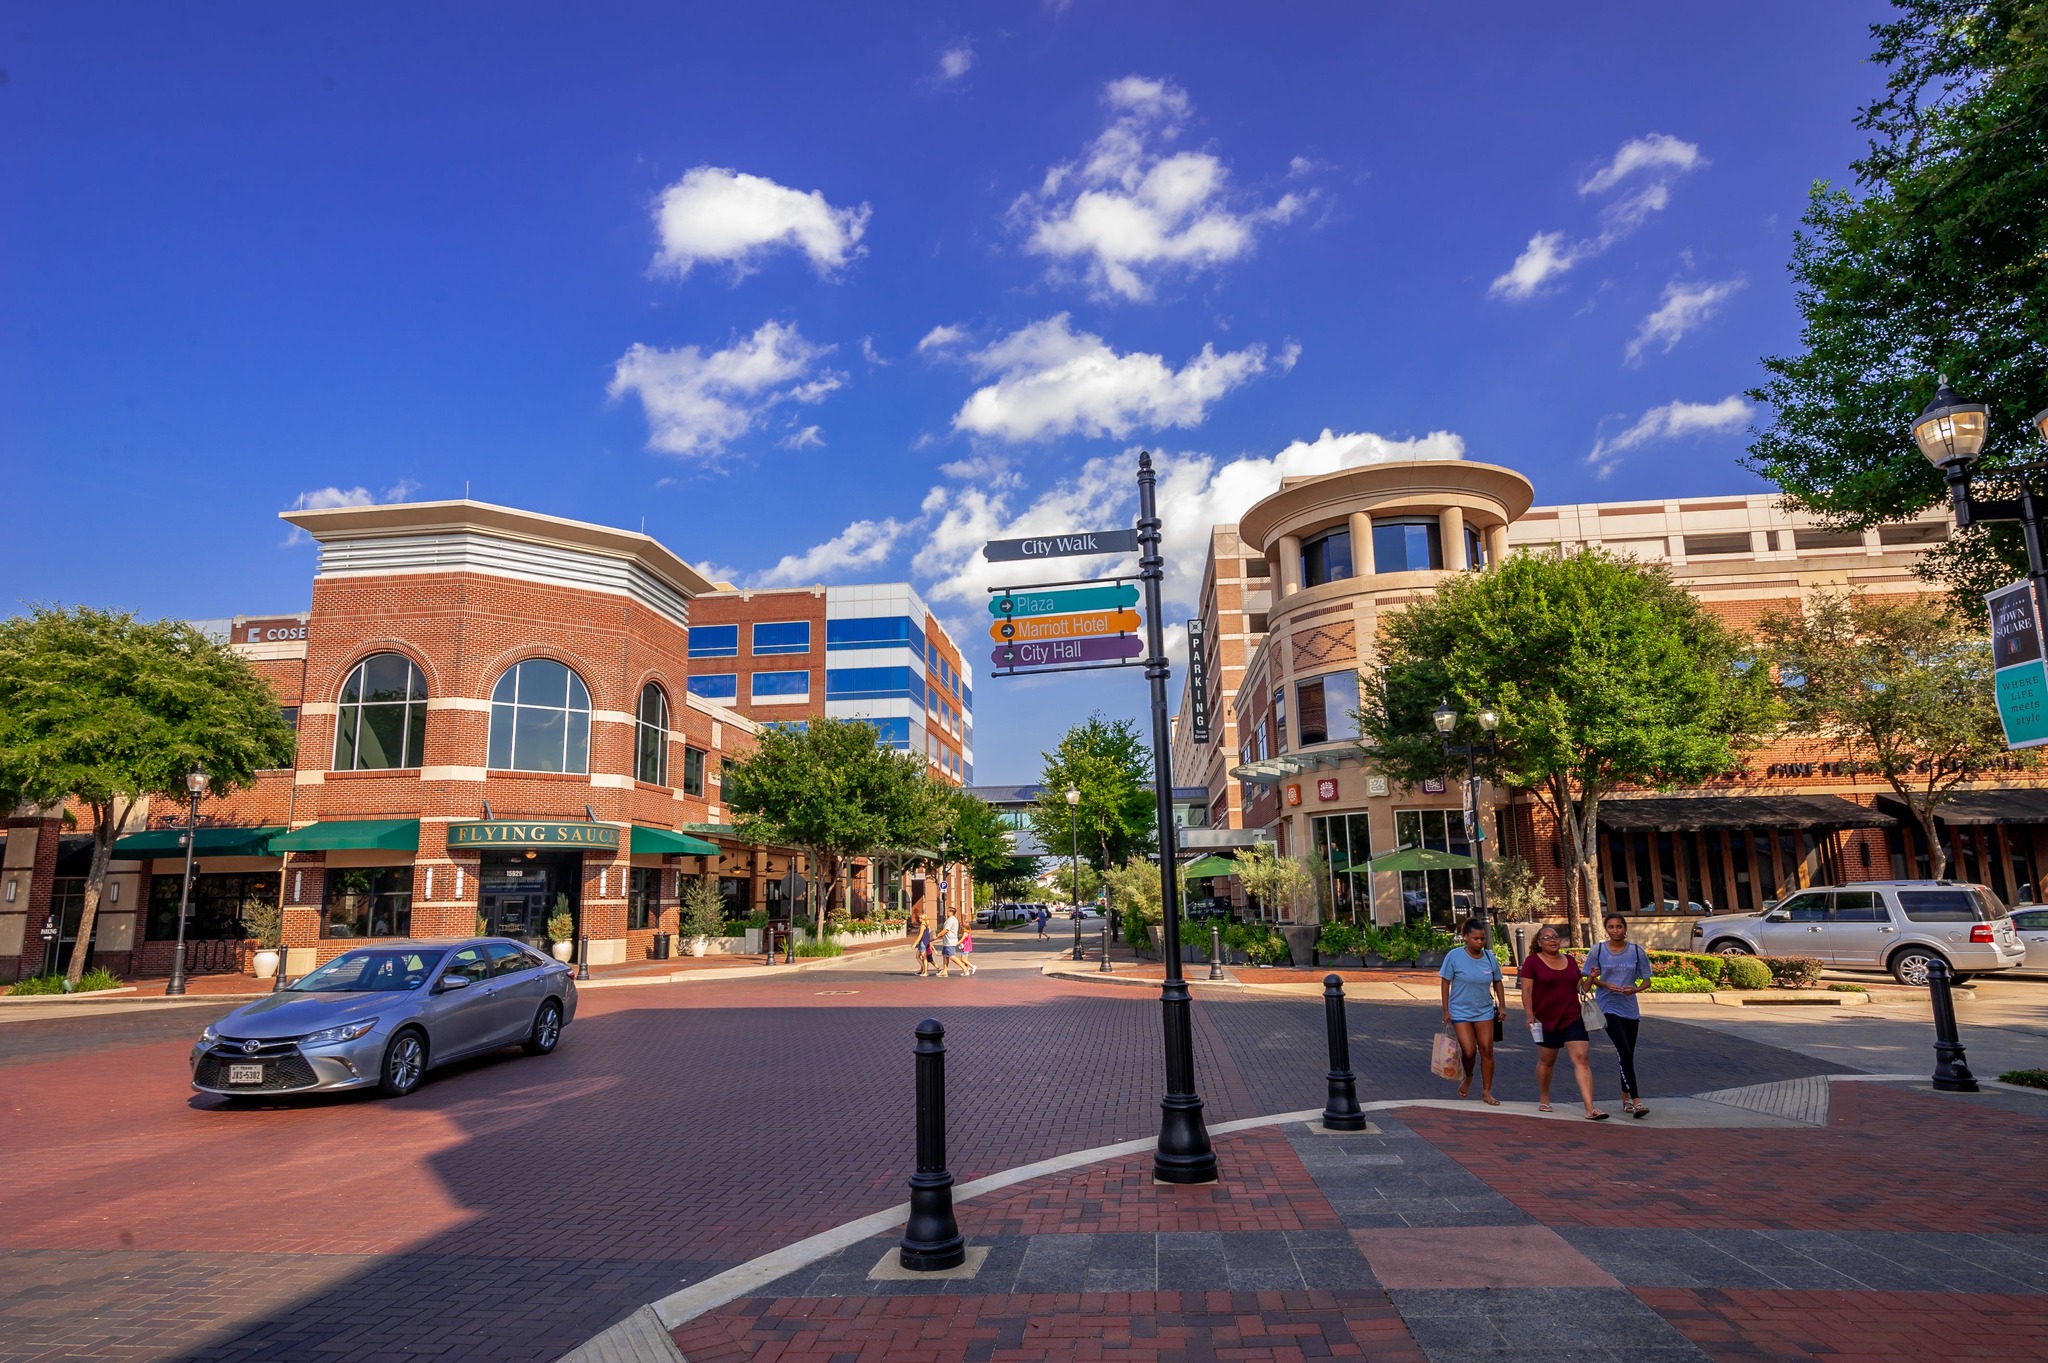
column 209, row 1036
column 348, row 1031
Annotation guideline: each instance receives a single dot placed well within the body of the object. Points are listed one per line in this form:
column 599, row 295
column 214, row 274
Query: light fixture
column 1445, row 718
column 531, row 854
column 1073, row 797
column 1489, row 719
column 197, row 781
column 1951, row 431
column 2041, row 424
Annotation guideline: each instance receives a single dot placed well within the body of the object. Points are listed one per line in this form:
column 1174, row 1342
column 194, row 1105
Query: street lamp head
column 1489, row 719
column 197, row 781
column 1444, row 717
column 1073, row 797
column 1951, row 431
column 2041, row 424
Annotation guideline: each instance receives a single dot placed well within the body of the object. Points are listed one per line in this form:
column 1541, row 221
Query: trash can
column 659, row 950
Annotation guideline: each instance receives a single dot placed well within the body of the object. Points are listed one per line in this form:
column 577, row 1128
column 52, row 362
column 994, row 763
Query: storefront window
column 1327, row 708
column 1326, row 558
column 693, row 771
column 382, row 720
column 643, row 897
column 217, row 904
column 1406, row 544
column 368, row 901
column 1343, row 845
column 734, row 890
column 650, row 757
column 1440, row 897
column 540, row 719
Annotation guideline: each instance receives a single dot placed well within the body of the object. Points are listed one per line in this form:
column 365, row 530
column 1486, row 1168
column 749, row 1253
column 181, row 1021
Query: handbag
column 1445, row 1059
column 1590, row 1014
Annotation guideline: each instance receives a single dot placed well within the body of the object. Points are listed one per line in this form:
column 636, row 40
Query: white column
column 1451, row 526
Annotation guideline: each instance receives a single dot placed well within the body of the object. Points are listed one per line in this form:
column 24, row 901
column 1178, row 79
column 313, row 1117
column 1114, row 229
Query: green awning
column 206, row 842
column 352, row 835
column 652, row 840
column 1420, row 859
column 1210, row 866
column 722, row 830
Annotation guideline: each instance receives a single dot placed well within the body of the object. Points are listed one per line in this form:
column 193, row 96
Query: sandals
column 1489, row 1100
column 1544, row 1107
column 1597, row 1116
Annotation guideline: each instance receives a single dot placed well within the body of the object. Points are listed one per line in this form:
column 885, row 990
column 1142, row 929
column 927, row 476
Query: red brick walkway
column 1855, row 1327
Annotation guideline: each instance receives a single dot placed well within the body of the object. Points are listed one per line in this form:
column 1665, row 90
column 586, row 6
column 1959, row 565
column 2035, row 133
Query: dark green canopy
column 1420, row 859
column 1211, row 865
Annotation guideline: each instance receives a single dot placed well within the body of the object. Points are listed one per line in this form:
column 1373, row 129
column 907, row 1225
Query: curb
column 743, row 972
column 129, row 994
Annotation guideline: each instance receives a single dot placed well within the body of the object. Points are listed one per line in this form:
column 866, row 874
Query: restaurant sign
column 525, row 833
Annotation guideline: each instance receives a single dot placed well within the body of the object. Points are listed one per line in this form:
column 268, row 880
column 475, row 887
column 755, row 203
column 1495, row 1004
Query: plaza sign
column 522, row 833
column 1043, row 601
column 2020, row 675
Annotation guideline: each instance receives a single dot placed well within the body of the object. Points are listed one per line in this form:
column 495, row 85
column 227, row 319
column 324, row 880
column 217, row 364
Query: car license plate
column 245, row 1074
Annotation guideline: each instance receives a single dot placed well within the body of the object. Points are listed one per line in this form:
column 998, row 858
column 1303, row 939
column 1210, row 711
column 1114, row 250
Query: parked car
column 382, row 1016
column 2032, row 923
column 1895, row 925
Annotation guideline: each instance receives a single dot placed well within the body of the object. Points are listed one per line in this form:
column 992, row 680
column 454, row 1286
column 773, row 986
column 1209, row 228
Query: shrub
column 1260, row 944
column 262, row 920
column 99, row 977
column 1339, row 939
column 1398, row 945
column 1709, row 968
column 1679, row 984
column 819, row 946
column 2033, row 1079
column 1792, row 972
column 1747, row 972
column 1848, row 988
column 37, row 984
column 702, row 911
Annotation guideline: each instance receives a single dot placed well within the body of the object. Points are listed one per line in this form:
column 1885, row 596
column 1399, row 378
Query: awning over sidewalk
column 1210, row 866
column 1690, row 813
column 649, row 841
column 1420, row 859
column 1980, row 807
column 206, row 842
column 351, row 835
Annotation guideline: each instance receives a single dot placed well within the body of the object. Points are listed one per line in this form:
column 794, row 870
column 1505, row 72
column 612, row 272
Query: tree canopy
column 1936, row 263
column 104, row 710
column 1111, row 766
column 978, row 838
column 1900, row 684
column 1604, row 672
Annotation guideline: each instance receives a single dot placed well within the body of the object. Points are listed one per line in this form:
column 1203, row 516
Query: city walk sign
column 2020, row 675
column 1071, row 544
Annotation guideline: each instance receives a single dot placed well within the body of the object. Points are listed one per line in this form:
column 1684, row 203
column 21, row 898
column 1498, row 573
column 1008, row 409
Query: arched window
column 381, row 722
column 540, row 719
column 650, row 754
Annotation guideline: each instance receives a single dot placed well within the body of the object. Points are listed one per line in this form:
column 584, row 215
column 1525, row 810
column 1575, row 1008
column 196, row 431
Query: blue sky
column 832, row 293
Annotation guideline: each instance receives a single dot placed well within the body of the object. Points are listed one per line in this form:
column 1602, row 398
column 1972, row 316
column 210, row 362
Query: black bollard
column 582, row 954
column 1104, row 968
column 789, row 945
column 931, row 1237
column 1951, row 1069
column 1342, row 1112
column 1215, row 952
column 1077, row 935
column 768, row 935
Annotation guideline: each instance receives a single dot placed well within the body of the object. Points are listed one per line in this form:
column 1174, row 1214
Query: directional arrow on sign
column 1066, row 652
column 1085, row 625
column 1041, row 601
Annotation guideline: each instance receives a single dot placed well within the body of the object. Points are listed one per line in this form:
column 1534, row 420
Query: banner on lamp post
column 2020, row 672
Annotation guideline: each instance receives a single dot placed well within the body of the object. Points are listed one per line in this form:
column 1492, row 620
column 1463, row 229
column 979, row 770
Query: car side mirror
column 1778, row 916
column 448, row 982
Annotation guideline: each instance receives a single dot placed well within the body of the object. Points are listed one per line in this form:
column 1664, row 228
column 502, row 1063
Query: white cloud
column 861, row 545
column 698, row 403
column 956, row 61
column 1672, row 420
column 803, row 439
column 1545, row 257
column 1658, row 152
column 870, row 354
column 1685, row 307
column 1051, row 380
column 942, row 337
column 1128, row 211
column 727, row 216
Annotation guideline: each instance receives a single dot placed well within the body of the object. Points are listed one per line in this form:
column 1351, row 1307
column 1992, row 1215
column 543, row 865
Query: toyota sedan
column 381, row 1016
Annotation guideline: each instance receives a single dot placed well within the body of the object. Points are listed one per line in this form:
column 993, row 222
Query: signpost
column 2020, row 672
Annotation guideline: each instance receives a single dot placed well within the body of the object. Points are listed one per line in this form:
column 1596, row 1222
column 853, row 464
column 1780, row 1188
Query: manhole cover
column 829, row 993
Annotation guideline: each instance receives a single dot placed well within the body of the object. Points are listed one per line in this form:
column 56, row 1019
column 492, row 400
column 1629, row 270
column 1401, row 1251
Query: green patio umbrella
column 1211, row 865
column 1420, row 859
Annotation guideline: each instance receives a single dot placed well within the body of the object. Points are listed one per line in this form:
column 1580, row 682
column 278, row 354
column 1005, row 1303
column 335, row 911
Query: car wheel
column 1728, row 946
column 1909, row 964
column 405, row 1064
column 547, row 1029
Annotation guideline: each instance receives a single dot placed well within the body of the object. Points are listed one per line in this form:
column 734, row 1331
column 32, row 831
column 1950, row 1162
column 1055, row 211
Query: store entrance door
column 517, row 895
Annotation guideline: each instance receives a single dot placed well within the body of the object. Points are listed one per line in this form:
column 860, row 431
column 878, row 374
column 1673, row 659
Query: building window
column 540, row 719
column 871, row 631
column 217, row 905
column 1440, row 897
column 1475, row 548
column 1326, row 558
column 1326, row 708
column 782, row 685
column 1280, row 721
column 715, row 686
column 874, row 683
column 736, row 891
column 382, row 722
column 1406, row 544
column 693, row 771
column 369, row 901
column 893, row 732
column 715, row 641
column 1343, row 846
column 782, row 636
column 650, row 753
column 1257, row 567
column 643, row 897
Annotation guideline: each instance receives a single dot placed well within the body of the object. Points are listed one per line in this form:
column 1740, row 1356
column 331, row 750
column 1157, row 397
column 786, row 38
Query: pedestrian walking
column 949, row 943
column 924, row 947
column 1619, row 970
column 966, row 956
column 1044, row 916
column 1475, row 998
column 1552, row 986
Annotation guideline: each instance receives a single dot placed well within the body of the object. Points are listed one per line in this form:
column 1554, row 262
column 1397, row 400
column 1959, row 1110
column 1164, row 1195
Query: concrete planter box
column 1301, row 942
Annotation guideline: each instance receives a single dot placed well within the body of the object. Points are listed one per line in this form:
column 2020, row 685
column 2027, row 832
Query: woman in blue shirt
column 1474, row 998
column 1619, row 970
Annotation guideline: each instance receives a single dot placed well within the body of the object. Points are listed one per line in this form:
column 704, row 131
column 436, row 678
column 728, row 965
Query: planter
column 1428, row 960
column 1372, row 960
column 1301, row 943
column 564, row 951
column 266, row 964
column 697, row 945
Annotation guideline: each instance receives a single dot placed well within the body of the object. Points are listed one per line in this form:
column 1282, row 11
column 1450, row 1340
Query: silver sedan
column 381, row 1016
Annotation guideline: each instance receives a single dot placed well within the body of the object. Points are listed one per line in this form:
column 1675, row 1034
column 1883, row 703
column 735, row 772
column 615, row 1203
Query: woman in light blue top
column 1474, row 999
column 1619, row 970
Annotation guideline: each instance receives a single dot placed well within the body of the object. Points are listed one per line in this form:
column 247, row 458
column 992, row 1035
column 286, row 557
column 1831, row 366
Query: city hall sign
column 524, row 833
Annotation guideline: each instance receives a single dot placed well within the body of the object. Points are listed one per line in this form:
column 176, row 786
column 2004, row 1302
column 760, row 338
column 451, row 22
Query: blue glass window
column 1406, row 545
column 714, row 641
column 782, row 683
column 782, row 636
column 894, row 732
column 873, row 683
column 880, row 631
column 716, row 685
column 917, row 642
column 540, row 719
column 967, row 698
column 795, row 726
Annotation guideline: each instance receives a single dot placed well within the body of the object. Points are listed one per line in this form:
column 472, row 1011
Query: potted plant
column 1372, row 947
column 703, row 914
column 265, row 924
column 1400, row 947
column 1430, row 948
column 562, row 930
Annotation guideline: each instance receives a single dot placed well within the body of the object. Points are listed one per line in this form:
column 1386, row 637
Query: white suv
column 1895, row 925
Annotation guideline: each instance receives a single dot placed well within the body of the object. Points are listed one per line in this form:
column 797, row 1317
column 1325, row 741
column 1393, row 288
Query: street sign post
column 1068, row 651
column 1083, row 625
column 1069, row 544
column 2020, row 672
column 1061, row 601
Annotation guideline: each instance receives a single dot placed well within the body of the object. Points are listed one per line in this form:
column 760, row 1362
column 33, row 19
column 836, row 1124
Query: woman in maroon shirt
column 1551, row 984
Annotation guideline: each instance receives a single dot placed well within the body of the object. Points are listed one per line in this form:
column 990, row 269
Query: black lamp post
column 1951, row 433
column 1074, row 831
column 1446, row 720
column 196, row 782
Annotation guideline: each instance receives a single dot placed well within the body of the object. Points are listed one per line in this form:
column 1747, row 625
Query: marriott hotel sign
column 522, row 833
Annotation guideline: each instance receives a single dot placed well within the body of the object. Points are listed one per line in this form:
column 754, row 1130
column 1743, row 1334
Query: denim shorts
column 949, row 952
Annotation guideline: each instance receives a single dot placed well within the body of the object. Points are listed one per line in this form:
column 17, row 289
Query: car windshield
column 1962, row 904
column 371, row 972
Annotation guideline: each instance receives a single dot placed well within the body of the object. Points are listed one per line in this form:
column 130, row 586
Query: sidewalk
column 1808, row 1219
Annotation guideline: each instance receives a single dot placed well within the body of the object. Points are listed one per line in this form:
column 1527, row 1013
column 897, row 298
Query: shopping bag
column 1590, row 1014
column 1445, row 1060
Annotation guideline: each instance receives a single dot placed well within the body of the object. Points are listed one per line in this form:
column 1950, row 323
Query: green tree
column 1938, row 263
column 978, row 839
column 1063, row 883
column 920, row 824
column 103, row 710
column 1272, row 879
column 830, row 789
column 1604, row 673
column 1515, row 891
column 1111, row 766
column 1900, row 684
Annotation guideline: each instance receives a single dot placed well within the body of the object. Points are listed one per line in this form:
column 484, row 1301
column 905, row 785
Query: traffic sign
column 1041, row 601
column 1062, row 652
column 1066, row 545
column 1084, row 625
